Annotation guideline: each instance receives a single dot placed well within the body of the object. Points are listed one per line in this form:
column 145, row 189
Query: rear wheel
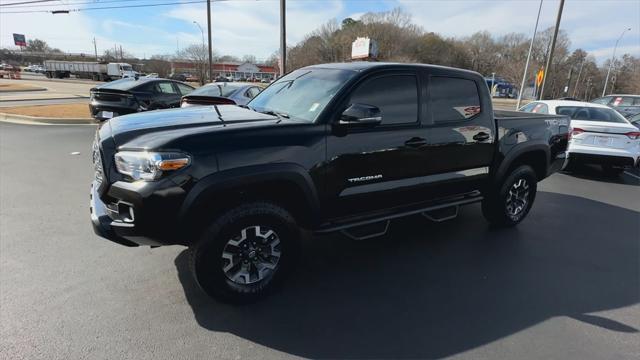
column 511, row 202
column 246, row 252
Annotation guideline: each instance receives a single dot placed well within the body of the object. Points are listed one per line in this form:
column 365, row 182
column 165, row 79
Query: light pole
column 613, row 57
column 547, row 67
column 209, row 38
column 283, row 38
column 202, row 33
column 526, row 65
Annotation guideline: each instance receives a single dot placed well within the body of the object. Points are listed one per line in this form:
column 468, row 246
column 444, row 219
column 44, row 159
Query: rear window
column 453, row 99
column 223, row 89
column 622, row 101
column 122, row 84
column 591, row 113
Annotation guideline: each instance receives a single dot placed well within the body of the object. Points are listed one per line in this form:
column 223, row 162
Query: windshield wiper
column 274, row 113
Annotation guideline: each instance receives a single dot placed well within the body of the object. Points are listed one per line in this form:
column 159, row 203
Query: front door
column 371, row 168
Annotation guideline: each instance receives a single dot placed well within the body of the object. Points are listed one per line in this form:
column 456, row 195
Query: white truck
column 88, row 70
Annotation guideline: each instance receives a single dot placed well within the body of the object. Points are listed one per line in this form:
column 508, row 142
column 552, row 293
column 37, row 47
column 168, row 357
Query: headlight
column 142, row 165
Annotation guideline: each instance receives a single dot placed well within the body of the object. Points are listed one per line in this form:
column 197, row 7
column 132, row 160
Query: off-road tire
column 495, row 206
column 206, row 259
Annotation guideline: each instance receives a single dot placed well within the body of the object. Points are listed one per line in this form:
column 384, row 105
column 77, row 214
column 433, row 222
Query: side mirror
column 361, row 115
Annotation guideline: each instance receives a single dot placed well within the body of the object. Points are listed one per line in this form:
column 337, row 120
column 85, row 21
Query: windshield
column 591, row 113
column 126, row 68
column 217, row 90
column 303, row 93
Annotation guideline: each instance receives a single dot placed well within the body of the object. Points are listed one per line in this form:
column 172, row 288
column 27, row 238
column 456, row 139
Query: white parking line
column 633, row 175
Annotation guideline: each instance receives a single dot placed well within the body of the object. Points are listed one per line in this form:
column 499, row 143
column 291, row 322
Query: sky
column 251, row 27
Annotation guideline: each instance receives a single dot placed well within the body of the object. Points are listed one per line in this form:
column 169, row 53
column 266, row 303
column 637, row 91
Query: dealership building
column 231, row 70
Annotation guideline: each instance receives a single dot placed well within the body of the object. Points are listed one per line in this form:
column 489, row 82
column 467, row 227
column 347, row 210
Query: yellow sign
column 540, row 77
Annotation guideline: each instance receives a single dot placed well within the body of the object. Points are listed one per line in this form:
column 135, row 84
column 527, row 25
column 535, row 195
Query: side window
column 148, row 88
column 252, row 92
column 453, row 99
column 395, row 95
column 184, row 89
column 166, row 88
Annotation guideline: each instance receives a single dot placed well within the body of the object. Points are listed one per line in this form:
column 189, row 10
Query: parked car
column 152, row 75
column 599, row 134
column 226, row 93
column 222, row 79
column 127, row 96
column 328, row 148
column 625, row 104
column 178, row 77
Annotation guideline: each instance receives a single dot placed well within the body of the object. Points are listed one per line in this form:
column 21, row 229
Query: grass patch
column 69, row 111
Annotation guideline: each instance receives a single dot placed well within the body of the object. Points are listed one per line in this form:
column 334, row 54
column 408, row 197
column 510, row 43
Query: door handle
column 416, row 142
column 481, row 136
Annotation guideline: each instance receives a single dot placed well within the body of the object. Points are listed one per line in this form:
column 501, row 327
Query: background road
column 564, row 284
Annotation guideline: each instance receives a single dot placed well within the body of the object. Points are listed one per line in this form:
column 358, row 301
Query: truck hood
column 124, row 128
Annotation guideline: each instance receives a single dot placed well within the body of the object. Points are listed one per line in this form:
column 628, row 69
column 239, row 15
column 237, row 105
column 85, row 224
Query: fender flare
column 517, row 151
column 250, row 175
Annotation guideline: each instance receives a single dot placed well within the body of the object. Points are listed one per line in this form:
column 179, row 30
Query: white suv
column 598, row 135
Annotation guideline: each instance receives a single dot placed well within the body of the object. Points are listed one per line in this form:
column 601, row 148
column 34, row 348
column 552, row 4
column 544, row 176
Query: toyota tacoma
column 327, row 148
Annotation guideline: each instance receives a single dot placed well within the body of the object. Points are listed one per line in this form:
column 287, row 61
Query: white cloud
column 244, row 27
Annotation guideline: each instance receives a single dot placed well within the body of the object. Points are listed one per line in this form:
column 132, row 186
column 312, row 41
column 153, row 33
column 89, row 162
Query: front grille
column 97, row 162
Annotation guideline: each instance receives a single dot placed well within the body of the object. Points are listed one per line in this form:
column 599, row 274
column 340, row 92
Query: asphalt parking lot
column 564, row 284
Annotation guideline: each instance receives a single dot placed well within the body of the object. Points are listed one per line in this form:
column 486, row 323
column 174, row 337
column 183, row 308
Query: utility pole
column 566, row 88
column 209, row 34
column 575, row 89
column 526, row 65
column 613, row 58
column 553, row 45
column 95, row 47
column 121, row 55
column 283, row 38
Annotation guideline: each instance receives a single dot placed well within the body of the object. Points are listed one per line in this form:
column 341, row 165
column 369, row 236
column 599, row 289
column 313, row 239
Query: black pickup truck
column 335, row 147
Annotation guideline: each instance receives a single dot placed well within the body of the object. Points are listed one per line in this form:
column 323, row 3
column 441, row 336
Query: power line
column 82, row 2
column 27, row 2
column 106, row 7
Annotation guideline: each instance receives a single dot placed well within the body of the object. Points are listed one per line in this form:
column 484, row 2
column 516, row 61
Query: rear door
column 375, row 168
column 168, row 95
column 461, row 133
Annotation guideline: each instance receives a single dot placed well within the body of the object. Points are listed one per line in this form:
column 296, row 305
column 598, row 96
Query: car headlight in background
column 143, row 165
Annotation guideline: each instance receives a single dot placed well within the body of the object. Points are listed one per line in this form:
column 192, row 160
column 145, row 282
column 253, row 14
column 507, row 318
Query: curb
column 23, row 90
column 35, row 120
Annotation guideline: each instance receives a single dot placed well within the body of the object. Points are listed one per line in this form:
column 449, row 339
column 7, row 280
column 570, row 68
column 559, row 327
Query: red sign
column 19, row 40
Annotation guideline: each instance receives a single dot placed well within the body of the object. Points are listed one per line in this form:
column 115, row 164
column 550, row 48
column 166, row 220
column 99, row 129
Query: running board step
column 444, row 214
column 365, row 232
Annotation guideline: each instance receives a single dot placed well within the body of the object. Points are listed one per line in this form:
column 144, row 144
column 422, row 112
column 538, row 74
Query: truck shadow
column 432, row 290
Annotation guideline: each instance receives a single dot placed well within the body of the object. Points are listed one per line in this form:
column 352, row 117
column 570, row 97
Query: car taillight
column 634, row 135
column 574, row 132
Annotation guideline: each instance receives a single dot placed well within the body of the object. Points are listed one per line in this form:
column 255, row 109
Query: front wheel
column 510, row 203
column 246, row 252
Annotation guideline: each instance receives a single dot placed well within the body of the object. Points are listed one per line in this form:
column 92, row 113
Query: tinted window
column 591, row 113
column 166, row 88
column 184, row 89
column 396, row 96
column 122, row 84
column 622, row 101
column 453, row 99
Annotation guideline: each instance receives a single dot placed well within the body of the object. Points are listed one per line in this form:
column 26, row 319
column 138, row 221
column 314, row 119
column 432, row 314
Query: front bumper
column 134, row 217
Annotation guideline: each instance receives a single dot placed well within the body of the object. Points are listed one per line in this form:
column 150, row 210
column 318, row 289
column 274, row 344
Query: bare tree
column 197, row 55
